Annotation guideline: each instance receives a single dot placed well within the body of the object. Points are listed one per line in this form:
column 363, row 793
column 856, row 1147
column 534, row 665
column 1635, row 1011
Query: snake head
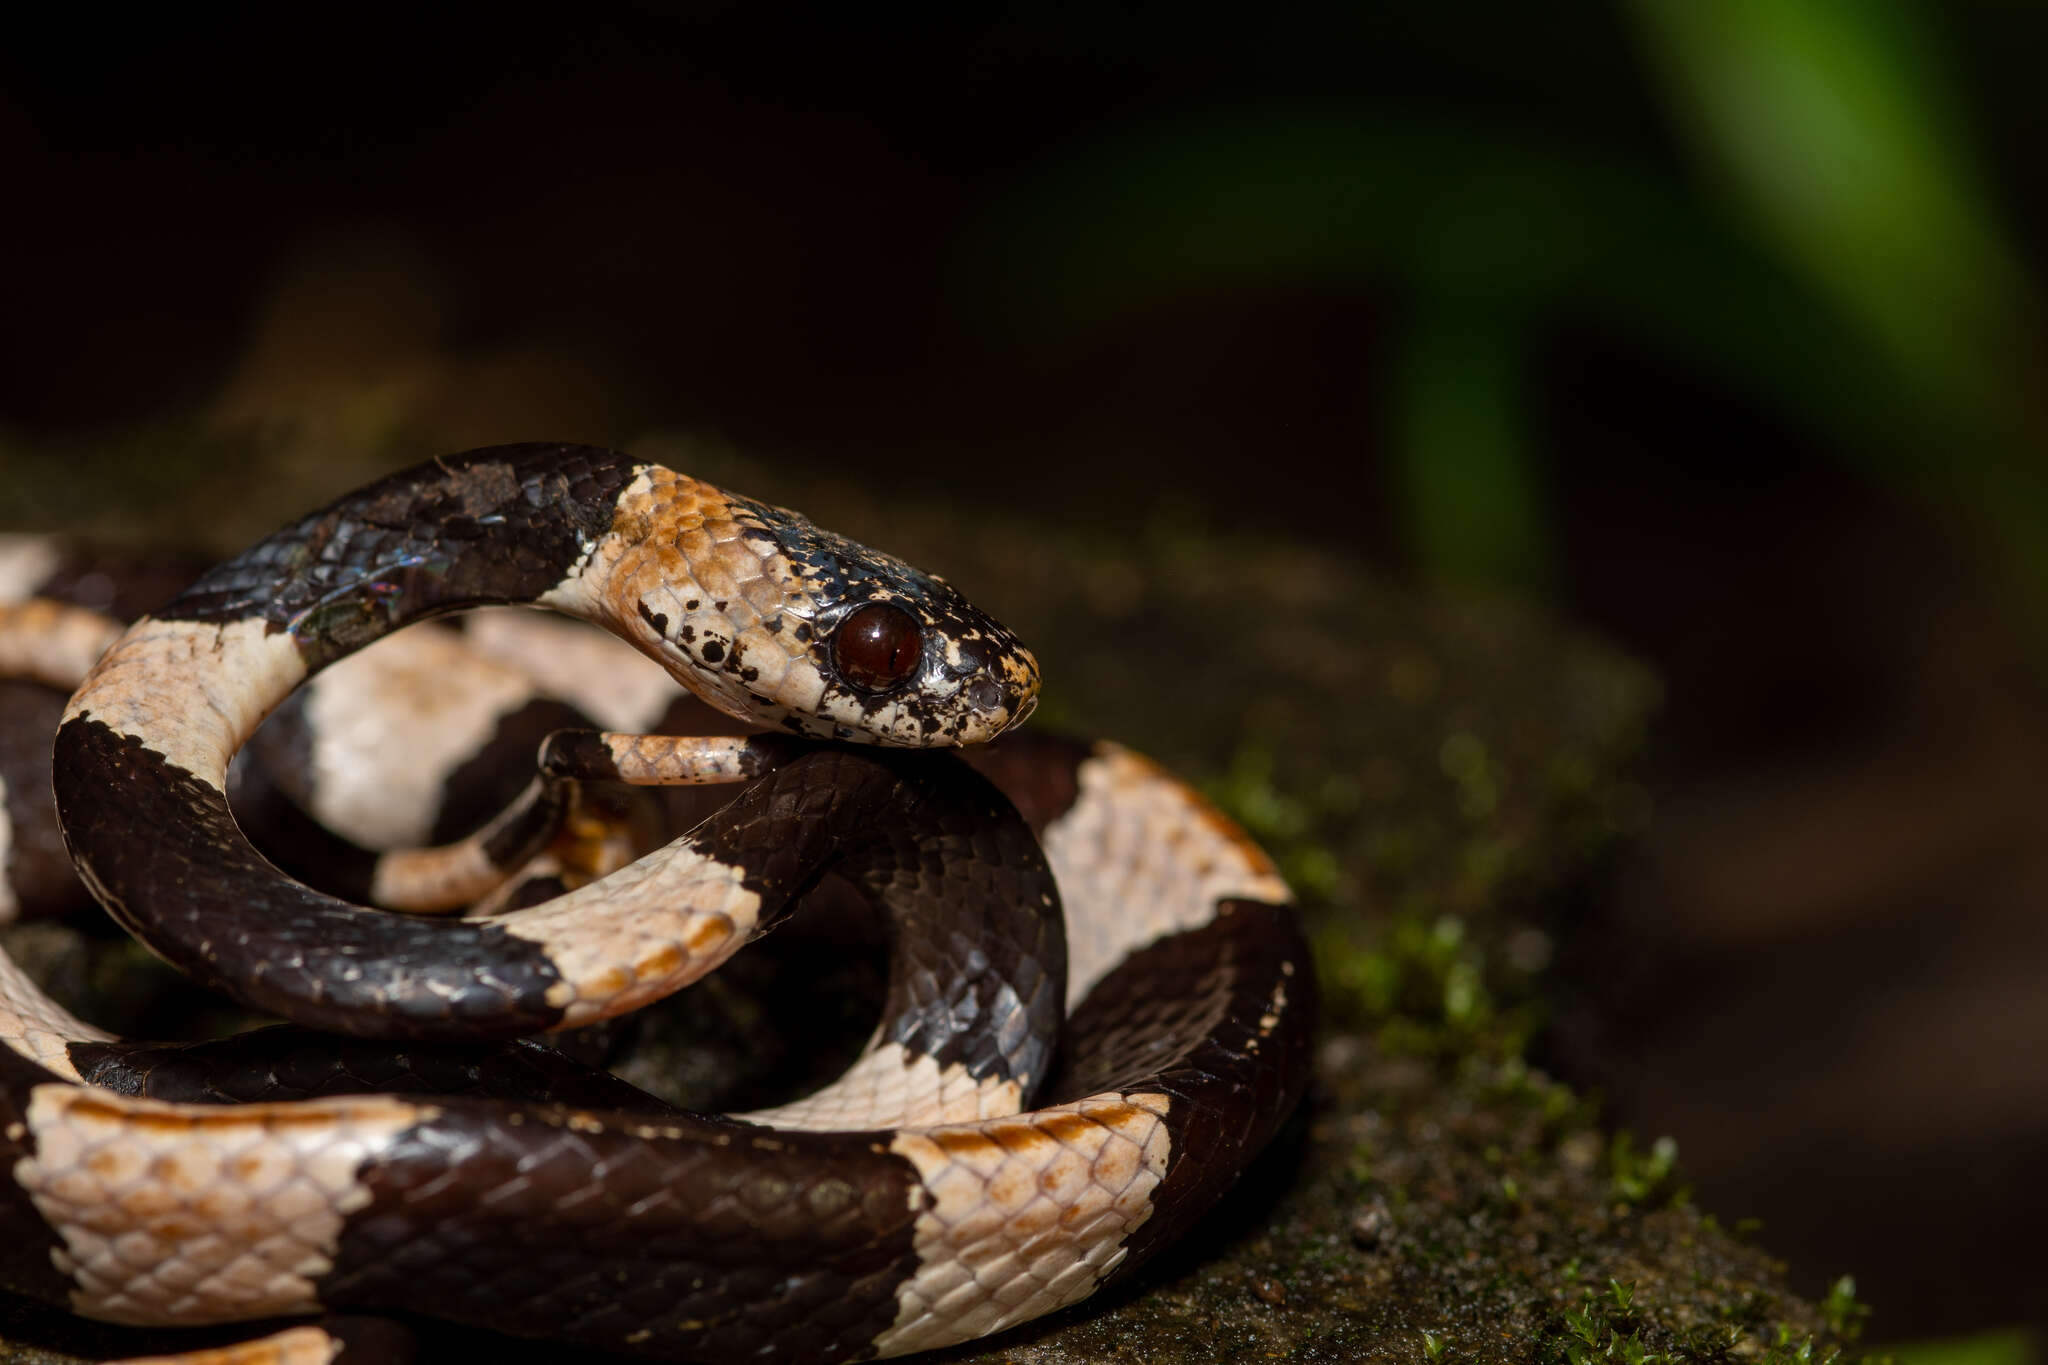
column 777, row 621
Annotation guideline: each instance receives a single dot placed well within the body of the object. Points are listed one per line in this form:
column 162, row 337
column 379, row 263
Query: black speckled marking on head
column 851, row 575
column 656, row 621
column 722, row 1241
column 501, row 524
column 203, row 899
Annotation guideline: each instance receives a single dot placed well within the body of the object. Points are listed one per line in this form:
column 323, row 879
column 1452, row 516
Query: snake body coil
column 977, row 1167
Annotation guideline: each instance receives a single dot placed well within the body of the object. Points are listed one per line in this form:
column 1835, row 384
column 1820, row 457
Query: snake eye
column 877, row 646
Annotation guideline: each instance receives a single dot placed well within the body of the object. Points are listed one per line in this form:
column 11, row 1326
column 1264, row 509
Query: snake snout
column 998, row 684
column 1016, row 697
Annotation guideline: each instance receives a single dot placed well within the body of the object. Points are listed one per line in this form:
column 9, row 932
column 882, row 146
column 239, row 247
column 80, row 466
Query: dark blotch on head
column 657, row 621
column 974, row 655
column 877, row 646
column 713, row 651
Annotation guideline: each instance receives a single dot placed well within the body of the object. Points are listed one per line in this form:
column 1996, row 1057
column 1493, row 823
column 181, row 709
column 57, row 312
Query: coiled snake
column 978, row 1166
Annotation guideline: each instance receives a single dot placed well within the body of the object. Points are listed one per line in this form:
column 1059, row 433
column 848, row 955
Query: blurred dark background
column 1714, row 326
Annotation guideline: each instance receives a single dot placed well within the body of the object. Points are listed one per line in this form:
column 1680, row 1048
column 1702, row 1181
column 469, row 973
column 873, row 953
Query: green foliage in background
column 1837, row 259
column 1987, row 1348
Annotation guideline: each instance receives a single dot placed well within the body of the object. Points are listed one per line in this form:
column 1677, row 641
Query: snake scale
column 979, row 1165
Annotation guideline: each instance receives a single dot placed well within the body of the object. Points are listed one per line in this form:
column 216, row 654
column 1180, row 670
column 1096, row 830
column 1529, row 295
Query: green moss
column 1645, row 1178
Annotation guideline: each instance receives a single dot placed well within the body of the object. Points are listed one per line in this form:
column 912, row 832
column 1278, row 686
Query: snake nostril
column 984, row 695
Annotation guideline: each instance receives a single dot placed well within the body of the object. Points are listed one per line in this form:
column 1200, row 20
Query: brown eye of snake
column 877, row 646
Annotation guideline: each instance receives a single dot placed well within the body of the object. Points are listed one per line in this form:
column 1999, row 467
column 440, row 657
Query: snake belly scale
column 977, row 1167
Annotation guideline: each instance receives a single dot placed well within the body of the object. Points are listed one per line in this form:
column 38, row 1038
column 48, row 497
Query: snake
column 1099, row 1004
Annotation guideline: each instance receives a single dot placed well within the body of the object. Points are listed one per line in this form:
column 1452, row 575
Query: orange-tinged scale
column 286, row 1119
column 1032, row 1142
column 1255, row 859
column 1012, row 1188
column 965, row 1144
column 225, row 1202
column 1116, row 1165
column 186, row 1168
column 763, row 594
column 1037, row 1219
column 947, row 1185
column 295, row 1346
column 116, row 1162
column 662, row 961
column 716, row 578
column 1070, row 1128
column 604, row 984
column 1066, row 1169
column 1152, row 1106
column 84, row 1106
column 1085, row 1207
column 89, row 1108
column 708, row 933
column 174, row 1227
column 142, row 1204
